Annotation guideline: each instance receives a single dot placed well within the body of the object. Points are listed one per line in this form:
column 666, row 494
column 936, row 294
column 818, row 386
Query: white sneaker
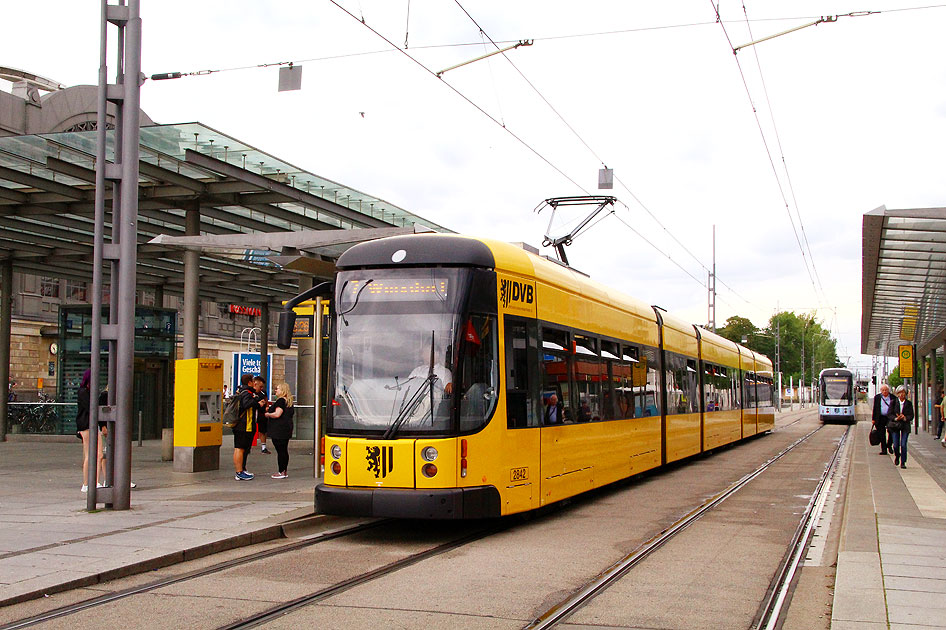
column 100, row 485
column 84, row 488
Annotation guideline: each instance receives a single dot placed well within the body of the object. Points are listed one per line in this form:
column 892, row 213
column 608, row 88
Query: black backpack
column 231, row 411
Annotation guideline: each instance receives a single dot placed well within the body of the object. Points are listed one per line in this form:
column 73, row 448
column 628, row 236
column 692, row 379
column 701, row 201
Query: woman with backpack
column 280, row 415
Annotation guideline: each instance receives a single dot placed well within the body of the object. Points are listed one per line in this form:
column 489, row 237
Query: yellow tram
column 471, row 378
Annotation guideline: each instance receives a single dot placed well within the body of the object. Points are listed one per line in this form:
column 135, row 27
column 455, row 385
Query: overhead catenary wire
column 768, row 152
column 639, row 29
column 464, row 97
column 778, row 140
column 595, row 154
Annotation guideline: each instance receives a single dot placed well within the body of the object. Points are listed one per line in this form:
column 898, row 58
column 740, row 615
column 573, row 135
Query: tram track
column 286, row 608
column 778, row 590
column 108, row 598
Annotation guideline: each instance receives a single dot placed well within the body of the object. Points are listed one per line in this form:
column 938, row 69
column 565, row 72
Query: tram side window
column 749, row 397
column 610, row 387
column 587, row 379
column 727, row 398
column 764, row 391
column 649, row 366
column 520, row 352
column 710, row 390
column 723, row 397
column 735, row 382
column 682, row 392
column 479, row 372
column 556, row 368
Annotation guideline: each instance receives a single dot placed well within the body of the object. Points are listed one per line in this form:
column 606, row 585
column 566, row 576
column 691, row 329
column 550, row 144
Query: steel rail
column 71, row 609
column 281, row 610
column 780, row 589
column 565, row 608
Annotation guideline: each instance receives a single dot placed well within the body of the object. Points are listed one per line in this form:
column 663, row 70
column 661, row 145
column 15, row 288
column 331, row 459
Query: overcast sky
column 653, row 90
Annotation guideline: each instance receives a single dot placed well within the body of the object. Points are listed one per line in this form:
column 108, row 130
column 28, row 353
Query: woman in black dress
column 280, row 428
column 82, row 427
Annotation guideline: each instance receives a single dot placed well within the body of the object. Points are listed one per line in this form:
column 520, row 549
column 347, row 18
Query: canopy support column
column 191, row 286
column 6, row 314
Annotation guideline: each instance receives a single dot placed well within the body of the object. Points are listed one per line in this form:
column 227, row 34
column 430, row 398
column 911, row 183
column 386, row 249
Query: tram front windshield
column 398, row 332
column 836, row 391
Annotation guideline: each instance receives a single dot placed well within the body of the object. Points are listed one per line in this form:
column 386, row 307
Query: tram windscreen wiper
column 355, row 302
column 414, row 401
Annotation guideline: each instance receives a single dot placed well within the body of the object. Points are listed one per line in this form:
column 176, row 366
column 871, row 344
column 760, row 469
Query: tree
column 893, row 379
column 788, row 331
column 738, row 329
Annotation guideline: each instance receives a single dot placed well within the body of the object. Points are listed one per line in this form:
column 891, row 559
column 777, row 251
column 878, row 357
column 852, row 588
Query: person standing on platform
column 250, row 403
column 886, row 409
column 938, row 416
column 83, row 398
column 280, row 415
column 262, row 422
column 900, row 429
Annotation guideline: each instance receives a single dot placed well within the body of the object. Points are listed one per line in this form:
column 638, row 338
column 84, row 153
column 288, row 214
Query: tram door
column 521, row 446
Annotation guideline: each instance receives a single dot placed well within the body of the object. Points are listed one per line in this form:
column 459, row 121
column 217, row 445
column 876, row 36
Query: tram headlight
column 336, row 468
column 429, row 454
column 336, row 451
column 429, row 470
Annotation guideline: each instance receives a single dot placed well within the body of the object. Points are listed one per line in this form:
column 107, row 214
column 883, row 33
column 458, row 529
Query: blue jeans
column 900, row 444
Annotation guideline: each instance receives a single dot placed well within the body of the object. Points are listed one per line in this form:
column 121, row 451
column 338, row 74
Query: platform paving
column 891, row 569
column 50, row 543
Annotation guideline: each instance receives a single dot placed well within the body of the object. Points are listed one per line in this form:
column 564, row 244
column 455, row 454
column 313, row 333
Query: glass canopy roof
column 165, row 146
column 47, row 207
column 904, row 280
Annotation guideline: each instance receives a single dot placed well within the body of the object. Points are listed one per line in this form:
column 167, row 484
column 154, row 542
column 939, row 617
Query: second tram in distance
column 836, row 395
column 472, row 378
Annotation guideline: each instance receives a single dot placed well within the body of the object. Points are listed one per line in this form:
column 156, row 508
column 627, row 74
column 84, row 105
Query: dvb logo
column 512, row 291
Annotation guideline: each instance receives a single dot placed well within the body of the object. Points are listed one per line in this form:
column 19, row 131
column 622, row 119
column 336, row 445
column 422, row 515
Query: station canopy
column 244, row 196
column 904, row 280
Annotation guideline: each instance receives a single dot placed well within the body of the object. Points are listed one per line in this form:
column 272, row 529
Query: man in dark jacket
column 886, row 408
column 250, row 402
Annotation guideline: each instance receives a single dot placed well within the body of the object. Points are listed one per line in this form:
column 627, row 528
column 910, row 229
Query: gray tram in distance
column 836, row 395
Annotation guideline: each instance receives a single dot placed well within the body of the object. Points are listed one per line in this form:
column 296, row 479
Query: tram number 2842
column 519, row 474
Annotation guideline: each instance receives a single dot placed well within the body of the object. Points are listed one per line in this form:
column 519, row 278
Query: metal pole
column 125, row 382
column 317, row 399
column 98, row 242
column 264, row 346
column 801, row 381
column 191, row 286
column 6, row 316
column 139, row 427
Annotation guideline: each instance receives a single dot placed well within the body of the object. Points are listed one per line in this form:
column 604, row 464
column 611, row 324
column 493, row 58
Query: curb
column 268, row 533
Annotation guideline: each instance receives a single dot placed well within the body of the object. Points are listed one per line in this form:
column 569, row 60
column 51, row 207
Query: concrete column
column 191, row 286
column 264, row 346
column 6, row 316
column 159, row 296
column 305, row 373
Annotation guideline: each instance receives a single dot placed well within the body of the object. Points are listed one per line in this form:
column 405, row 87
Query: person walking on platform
column 250, row 402
column 280, row 415
column 886, row 409
column 900, row 428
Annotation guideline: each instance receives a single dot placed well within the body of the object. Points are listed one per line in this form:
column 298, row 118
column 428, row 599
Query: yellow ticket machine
column 198, row 406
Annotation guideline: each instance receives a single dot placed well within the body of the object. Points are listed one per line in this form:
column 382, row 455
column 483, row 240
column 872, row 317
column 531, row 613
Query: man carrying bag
column 886, row 409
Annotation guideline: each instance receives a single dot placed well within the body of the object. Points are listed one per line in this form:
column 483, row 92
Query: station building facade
column 47, row 139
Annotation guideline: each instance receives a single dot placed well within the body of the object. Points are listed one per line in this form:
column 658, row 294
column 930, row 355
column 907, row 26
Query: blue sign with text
column 249, row 363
